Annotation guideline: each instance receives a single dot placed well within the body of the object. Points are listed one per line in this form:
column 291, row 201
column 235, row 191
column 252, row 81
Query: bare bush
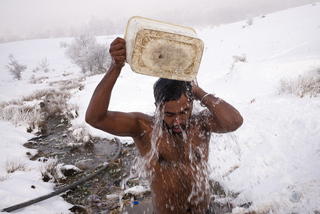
column 307, row 84
column 12, row 165
column 242, row 58
column 15, row 68
column 249, row 19
column 102, row 59
column 237, row 59
column 44, row 65
column 86, row 53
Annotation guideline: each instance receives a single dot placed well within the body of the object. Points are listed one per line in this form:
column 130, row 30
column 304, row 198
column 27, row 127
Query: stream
column 101, row 194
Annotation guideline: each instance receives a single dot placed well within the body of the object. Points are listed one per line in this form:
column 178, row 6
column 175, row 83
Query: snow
column 272, row 161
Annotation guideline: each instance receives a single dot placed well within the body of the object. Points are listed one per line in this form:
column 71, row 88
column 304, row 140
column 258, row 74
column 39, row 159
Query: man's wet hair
column 165, row 90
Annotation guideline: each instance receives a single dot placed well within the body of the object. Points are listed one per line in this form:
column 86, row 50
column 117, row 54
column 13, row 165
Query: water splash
column 141, row 164
column 188, row 170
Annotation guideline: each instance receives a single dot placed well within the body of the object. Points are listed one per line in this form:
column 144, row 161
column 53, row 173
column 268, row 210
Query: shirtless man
column 175, row 149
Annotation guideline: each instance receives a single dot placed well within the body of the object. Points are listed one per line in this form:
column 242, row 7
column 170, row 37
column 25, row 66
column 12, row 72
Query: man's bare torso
column 177, row 169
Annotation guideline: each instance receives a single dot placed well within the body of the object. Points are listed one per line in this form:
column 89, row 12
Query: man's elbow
column 90, row 120
column 237, row 123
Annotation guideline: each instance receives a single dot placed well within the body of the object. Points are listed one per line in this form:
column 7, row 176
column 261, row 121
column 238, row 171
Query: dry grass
column 307, row 84
column 237, row 59
column 39, row 80
column 20, row 113
column 49, row 170
column 3, row 178
column 12, row 165
column 33, row 110
column 67, row 85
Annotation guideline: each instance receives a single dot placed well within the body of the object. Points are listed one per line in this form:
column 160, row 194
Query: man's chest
column 191, row 148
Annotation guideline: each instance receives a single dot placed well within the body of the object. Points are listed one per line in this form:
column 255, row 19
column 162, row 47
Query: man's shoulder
column 144, row 119
column 200, row 115
column 142, row 115
column 199, row 120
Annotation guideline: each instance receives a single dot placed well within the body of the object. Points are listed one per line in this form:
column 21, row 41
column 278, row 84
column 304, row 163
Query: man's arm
column 220, row 117
column 98, row 115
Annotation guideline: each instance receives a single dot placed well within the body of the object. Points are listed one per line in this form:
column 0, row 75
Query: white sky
column 20, row 16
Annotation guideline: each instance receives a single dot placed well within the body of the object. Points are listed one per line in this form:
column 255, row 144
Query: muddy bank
column 96, row 195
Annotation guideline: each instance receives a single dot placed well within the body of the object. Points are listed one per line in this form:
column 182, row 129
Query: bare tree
column 102, row 58
column 88, row 54
column 44, row 65
column 15, row 68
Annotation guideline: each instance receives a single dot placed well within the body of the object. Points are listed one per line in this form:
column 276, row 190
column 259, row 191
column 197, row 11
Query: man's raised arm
column 98, row 115
column 222, row 117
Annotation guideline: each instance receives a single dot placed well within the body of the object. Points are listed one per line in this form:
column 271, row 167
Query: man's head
column 174, row 98
column 165, row 90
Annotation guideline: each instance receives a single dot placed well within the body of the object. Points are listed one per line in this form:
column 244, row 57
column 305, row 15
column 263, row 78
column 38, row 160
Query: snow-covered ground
column 272, row 161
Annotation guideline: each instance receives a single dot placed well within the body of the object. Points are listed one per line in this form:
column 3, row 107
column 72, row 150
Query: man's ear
column 156, row 104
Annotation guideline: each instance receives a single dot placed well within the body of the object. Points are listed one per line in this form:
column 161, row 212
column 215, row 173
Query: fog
column 49, row 18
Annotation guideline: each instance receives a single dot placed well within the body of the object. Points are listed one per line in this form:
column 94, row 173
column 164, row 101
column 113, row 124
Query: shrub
column 237, row 59
column 86, row 53
column 249, row 19
column 305, row 84
column 242, row 58
column 15, row 68
column 13, row 165
column 49, row 170
column 44, row 65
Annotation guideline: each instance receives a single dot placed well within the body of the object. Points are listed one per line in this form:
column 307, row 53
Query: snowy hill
column 271, row 162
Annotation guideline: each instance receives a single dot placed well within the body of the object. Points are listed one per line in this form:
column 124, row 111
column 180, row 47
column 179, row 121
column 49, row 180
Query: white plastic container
column 162, row 49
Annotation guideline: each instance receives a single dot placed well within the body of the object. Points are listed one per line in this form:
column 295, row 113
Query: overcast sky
column 20, row 16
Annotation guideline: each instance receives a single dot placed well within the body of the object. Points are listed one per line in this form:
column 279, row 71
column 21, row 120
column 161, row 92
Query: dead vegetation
column 32, row 111
column 14, row 164
column 307, row 84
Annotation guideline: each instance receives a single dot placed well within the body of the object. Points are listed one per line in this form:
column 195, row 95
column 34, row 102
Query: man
column 174, row 143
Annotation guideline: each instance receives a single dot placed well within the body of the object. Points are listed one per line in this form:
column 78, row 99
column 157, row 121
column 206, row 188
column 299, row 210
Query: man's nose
column 177, row 120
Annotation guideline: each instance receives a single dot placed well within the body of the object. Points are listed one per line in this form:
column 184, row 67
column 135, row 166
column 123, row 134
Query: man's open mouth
column 178, row 129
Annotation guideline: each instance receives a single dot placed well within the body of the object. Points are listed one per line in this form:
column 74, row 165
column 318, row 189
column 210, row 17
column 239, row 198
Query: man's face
column 176, row 114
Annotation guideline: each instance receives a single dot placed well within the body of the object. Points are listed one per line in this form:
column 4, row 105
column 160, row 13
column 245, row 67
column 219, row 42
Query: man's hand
column 118, row 52
column 196, row 89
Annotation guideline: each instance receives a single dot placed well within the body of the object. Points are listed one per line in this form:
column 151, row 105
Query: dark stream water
column 90, row 197
column 57, row 141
